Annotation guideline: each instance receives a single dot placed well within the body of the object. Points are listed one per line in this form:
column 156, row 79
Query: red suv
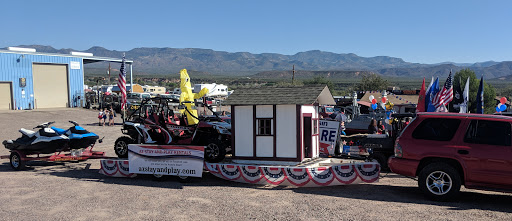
column 447, row 150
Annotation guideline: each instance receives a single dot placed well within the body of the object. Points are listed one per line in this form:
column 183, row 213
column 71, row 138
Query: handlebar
column 44, row 125
column 73, row 122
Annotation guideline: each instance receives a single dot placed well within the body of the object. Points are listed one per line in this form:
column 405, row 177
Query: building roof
column 395, row 99
column 281, row 95
column 86, row 59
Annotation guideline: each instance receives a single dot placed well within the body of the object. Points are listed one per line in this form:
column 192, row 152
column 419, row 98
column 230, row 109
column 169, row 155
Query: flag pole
column 109, row 83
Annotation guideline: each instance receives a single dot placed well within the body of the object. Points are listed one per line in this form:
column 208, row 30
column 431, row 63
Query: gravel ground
column 76, row 191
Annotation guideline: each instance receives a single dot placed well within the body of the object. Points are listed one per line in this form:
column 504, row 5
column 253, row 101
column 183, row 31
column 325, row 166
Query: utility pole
column 108, row 74
column 293, row 76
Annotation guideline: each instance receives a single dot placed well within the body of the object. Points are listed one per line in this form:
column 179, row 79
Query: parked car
column 137, row 97
column 172, row 97
column 447, row 150
column 326, row 111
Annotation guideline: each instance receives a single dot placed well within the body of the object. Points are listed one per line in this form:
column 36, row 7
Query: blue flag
column 480, row 97
column 429, row 96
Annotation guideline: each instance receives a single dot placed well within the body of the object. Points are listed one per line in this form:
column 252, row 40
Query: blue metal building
column 31, row 80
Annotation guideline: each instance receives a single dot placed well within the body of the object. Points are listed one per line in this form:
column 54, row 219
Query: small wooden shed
column 272, row 125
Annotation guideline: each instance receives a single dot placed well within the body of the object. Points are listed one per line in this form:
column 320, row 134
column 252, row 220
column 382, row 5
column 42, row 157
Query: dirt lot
column 76, row 191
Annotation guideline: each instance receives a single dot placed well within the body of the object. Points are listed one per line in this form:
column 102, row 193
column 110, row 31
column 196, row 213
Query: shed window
column 264, row 127
column 315, row 126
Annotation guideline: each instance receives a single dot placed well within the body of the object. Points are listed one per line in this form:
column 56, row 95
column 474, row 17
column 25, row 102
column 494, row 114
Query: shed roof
column 281, row 95
column 86, row 59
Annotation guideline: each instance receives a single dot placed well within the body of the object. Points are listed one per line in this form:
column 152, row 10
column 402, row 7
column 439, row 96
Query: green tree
column 474, row 83
column 507, row 92
column 372, row 82
column 320, row 81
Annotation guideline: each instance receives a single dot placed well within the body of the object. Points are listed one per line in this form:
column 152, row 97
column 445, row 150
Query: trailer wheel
column 121, row 146
column 184, row 179
column 159, row 177
column 16, row 162
column 214, row 151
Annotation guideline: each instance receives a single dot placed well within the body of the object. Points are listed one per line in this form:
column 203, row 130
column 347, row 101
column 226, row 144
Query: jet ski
column 44, row 141
column 78, row 136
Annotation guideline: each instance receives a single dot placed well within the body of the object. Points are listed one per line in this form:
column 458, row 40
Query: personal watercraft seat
column 28, row 133
column 78, row 130
column 59, row 130
column 48, row 132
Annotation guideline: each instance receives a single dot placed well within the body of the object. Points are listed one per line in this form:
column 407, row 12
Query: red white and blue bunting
column 340, row 174
column 115, row 168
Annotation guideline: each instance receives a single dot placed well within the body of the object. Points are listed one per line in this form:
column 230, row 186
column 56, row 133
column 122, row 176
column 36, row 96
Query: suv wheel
column 439, row 181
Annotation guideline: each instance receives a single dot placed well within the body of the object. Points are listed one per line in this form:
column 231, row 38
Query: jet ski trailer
column 19, row 158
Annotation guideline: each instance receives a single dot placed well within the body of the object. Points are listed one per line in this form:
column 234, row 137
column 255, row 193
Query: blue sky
column 418, row 31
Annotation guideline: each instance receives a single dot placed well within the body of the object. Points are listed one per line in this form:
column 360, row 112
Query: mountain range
column 164, row 61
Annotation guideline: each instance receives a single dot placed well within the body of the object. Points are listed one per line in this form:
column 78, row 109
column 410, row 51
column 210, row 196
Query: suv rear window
column 441, row 129
column 488, row 132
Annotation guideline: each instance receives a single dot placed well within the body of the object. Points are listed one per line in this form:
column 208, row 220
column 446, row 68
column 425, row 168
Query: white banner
column 74, row 65
column 328, row 136
column 177, row 160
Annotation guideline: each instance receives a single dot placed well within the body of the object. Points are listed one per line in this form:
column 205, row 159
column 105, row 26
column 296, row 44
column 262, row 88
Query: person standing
column 380, row 127
column 372, row 128
column 100, row 117
column 342, row 128
column 105, row 113
column 111, row 117
column 341, row 117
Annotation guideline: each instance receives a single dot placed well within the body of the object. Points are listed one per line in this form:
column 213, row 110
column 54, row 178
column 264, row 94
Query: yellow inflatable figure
column 188, row 97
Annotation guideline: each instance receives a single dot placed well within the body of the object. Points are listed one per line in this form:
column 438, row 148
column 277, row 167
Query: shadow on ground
column 467, row 200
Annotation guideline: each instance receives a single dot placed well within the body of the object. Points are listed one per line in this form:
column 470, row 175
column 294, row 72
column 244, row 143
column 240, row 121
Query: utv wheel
column 214, row 152
column 16, row 162
column 439, row 181
column 121, row 146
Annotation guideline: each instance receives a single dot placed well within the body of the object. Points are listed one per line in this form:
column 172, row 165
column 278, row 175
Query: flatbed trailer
column 19, row 158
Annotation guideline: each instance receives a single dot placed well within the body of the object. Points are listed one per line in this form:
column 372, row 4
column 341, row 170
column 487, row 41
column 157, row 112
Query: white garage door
column 50, row 85
column 5, row 96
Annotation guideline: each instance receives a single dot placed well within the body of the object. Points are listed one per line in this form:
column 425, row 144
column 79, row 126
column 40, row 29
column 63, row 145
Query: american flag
column 121, row 83
column 444, row 96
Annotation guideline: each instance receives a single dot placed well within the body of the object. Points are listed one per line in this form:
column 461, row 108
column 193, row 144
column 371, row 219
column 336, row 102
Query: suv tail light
column 398, row 150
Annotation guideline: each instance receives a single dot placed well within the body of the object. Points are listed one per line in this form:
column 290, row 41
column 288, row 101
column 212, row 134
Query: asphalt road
column 76, row 191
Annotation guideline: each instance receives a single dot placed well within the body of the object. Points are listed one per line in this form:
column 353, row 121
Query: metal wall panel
column 14, row 66
column 5, row 96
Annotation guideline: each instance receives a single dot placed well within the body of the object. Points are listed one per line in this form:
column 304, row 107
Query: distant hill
column 438, row 70
column 164, row 61
column 311, row 74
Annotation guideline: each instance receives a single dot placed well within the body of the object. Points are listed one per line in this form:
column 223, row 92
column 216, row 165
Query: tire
column 184, row 179
column 382, row 160
column 159, row 177
column 439, row 181
column 214, row 151
column 16, row 162
column 121, row 146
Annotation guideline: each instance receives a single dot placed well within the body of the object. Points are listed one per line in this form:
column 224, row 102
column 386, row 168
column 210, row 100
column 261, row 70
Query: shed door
column 5, row 96
column 50, row 85
column 308, row 141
